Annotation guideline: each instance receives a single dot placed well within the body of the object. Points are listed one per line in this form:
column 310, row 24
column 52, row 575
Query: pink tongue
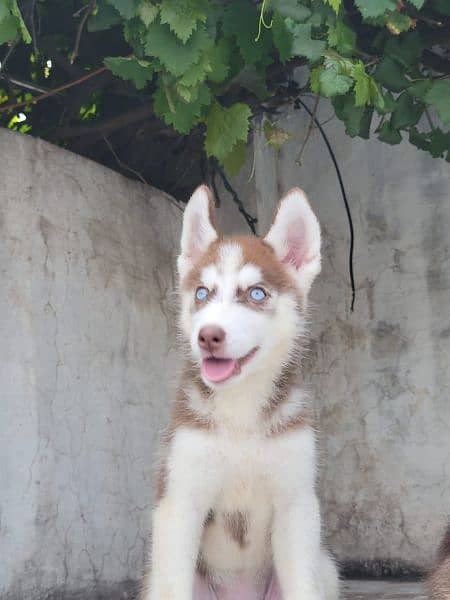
column 218, row 369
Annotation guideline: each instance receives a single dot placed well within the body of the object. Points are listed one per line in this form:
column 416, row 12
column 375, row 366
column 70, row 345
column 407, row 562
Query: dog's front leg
column 296, row 547
column 296, row 543
column 178, row 520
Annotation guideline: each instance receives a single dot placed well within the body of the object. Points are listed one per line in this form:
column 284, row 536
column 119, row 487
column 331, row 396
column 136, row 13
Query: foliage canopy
column 172, row 85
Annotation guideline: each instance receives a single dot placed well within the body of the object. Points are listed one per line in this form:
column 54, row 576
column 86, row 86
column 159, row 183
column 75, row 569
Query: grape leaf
column 405, row 50
column 406, row 112
column 329, row 80
column 4, row 10
column 148, row 12
column 292, row 9
column 197, row 72
column 362, row 85
column 241, row 22
column 276, row 136
column 23, row 28
column 441, row 6
column 341, row 37
column 225, row 127
column 140, row 72
column 220, row 61
column 417, row 3
column 127, row 8
column 173, row 54
column 304, row 45
column 235, row 160
column 397, row 22
column 390, row 74
column 374, row 8
column 8, row 29
column 182, row 16
column 181, row 115
column 356, row 119
column 282, row 38
column 335, row 4
column 389, row 135
column 439, row 97
column 106, row 16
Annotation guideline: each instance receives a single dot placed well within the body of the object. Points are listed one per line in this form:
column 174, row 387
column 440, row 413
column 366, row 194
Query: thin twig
column 251, row 221
column 298, row 160
column 89, row 9
column 126, row 167
column 214, row 186
column 54, row 91
column 344, row 196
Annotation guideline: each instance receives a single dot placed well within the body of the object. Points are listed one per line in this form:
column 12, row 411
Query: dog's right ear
column 199, row 230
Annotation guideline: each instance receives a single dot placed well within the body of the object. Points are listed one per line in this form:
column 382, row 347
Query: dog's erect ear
column 198, row 229
column 295, row 237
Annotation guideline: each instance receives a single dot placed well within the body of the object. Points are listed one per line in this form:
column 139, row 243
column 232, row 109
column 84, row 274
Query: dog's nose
column 211, row 338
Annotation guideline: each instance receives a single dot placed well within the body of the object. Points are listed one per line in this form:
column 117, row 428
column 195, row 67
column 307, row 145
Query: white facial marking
column 249, row 275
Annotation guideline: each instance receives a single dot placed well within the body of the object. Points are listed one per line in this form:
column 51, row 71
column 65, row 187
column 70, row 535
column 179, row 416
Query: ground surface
column 382, row 590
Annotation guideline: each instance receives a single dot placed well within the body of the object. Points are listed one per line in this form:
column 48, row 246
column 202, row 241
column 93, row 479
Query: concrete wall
column 380, row 376
column 86, row 368
column 87, row 363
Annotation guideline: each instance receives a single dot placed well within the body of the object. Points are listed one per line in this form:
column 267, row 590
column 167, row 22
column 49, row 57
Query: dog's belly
column 236, row 536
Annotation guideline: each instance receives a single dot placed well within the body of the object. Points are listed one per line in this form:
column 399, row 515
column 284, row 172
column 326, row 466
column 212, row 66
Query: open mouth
column 218, row 370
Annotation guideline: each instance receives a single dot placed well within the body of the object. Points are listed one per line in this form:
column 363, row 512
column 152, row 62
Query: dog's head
column 242, row 297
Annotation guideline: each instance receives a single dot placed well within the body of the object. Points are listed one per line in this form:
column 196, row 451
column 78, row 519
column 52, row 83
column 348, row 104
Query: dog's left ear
column 295, row 237
column 199, row 230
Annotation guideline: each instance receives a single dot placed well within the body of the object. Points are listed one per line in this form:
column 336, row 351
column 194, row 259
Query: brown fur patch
column 236, row 525
column 439, row 581
column 300, row 420
column 182, row 415
column 255, row 251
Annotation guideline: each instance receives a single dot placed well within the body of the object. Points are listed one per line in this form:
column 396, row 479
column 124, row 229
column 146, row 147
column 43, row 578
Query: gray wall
column 380, row 376
column 86, row 367
column 87, row 364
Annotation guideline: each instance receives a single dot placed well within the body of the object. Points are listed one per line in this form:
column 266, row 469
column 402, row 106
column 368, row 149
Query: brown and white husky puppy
column 439, row 581
column 236, row 515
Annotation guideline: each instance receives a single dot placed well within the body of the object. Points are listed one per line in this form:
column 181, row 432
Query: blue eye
column 201, row 293
column 257, row 294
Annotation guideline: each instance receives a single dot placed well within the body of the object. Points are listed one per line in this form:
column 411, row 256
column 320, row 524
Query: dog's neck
column 251, row 404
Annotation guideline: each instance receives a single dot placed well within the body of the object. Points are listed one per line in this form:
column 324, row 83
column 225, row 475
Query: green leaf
column 335, row 4
column 389, row 135
column 8, row 29
column 398, row 22
column 173, row 54
column 439, row 97
column 23, row 28
column 140, row 72
column 417, row 3
column 225, row 127
column 235, row 160
column 362, row 85
column 181, row 115
column 391, row 75
column 197, row 72
column 127, row 8
column 276, row 136
column 282, row 38
column 406, row 49
column 304, row 45
column 341, row 37
column 374, row 8
column 4, row 10
column 105, row 17
column 292, row 9
column 241, row 22
column 419, row 89
column 220, row 61
column 252, row 80
column 147, row 12
column 406, row 112
column 183, row 16
column 436, row 142
column 356, row 119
